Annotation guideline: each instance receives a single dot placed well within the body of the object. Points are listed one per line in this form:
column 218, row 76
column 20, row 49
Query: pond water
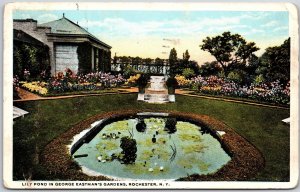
column 159, row 153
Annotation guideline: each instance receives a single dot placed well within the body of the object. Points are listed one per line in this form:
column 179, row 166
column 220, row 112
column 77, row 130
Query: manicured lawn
column 113, row 90
column 239, row 99
column 262, row 126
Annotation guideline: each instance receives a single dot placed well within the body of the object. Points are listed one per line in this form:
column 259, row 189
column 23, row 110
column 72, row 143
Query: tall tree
column 229, row 49
column 275, row 62
column 252, row 66
column 210, row 68
column 194, row 66
column 158, row 61
column 184, row 62
column 186, row 56
column 159, row 65
column 173, row 61
column 148, row 62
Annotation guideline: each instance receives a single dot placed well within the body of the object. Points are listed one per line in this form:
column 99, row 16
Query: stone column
column 93, row 59
column 52, row 59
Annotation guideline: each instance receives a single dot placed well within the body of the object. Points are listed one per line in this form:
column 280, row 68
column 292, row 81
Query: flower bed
column 74, row 83
column 36, row 87
column 182, row 81
column 90, row 81
column 273, row 92
column 132, row 80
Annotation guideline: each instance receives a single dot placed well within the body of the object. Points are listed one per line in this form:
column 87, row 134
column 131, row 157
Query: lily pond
column 151, row 148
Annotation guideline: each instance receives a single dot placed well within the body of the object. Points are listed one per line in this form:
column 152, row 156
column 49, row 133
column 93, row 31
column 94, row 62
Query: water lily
column 150, row 169
column 161, row 168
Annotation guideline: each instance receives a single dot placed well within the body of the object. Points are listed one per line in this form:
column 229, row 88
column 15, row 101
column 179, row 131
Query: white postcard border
column 8, row 111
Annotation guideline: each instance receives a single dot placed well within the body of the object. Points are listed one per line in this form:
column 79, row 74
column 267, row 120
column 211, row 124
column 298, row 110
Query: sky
column 154, row 33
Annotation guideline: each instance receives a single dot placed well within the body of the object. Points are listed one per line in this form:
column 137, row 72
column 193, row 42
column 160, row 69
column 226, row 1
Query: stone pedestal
column 171, row 98
column 157, row 83
column 157, row 92
column 141, row 97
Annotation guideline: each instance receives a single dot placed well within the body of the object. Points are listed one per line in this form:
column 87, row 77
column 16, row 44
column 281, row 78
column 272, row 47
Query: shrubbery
column 132, row 80
column 182, row 81
column 172, row 82
column 142, row 81
column 188, row 73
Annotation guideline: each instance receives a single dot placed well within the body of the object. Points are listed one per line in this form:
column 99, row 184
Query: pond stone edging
column 246, row 160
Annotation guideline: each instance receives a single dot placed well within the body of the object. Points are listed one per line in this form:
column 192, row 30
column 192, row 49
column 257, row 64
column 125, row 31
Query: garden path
column 23, row 94
column 27, row 96
column 183, row 91
column 130, row 89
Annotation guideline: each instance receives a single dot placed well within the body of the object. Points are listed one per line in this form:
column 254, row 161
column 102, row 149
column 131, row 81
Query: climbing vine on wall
column 84, row 52
column 35, row 59
column 104, row 61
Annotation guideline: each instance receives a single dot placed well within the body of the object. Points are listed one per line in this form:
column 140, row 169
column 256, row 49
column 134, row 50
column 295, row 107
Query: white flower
column 150, row 169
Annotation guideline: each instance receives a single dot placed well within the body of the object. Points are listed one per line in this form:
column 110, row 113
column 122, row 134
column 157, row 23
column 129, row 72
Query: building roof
column 25, row 20
column 21, row 36
column 65, row 26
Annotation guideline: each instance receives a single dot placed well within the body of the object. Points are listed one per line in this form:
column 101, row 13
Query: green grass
column 47, row 119
column 236, row 98
column 86, row 92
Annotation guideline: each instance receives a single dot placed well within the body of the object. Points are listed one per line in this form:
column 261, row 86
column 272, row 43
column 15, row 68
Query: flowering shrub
column 91, row 81
column 188, row 72
column 43, row 75
column 26, row 74
column 131, row 81
column 16, row 83
column 182, row 81
column 211, row 89
column 69, row 72
column 273, row 92
column 197, row 82
column 36, row 86
column 105, row 79
column 214, row 81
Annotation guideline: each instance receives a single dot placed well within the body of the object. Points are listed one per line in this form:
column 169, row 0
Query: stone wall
column 30, row 27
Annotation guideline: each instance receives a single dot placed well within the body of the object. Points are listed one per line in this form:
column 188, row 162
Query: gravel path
column 26, row 95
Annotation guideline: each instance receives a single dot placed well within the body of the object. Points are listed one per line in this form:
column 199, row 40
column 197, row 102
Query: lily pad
column 189, row 137
column 195, row 148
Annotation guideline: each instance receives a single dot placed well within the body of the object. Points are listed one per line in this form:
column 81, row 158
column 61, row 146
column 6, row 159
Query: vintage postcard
column 150, row 96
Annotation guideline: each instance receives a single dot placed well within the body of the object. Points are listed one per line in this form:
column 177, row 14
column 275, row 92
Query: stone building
column 69, row 45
